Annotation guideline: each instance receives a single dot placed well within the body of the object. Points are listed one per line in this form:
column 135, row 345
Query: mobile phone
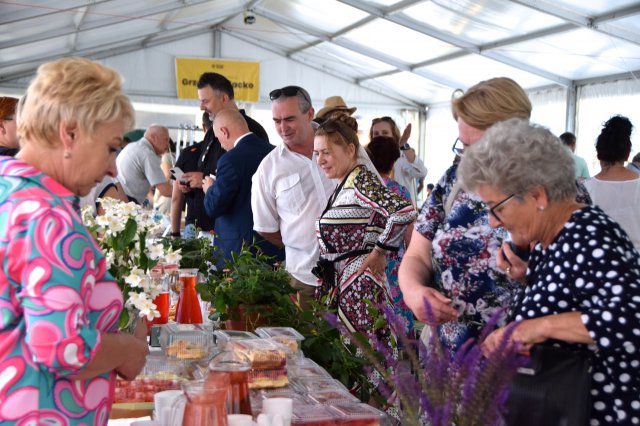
column 522, row 254
column 176, row 173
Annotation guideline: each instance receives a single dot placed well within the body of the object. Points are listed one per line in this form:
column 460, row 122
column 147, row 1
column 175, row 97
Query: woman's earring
column 67, row 154
column 540, row 208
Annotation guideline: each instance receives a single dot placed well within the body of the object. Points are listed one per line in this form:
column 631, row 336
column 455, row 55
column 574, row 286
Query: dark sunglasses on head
column 289, row 91
column 334, row 126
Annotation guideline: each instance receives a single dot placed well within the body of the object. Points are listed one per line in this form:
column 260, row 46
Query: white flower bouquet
column 125, row 233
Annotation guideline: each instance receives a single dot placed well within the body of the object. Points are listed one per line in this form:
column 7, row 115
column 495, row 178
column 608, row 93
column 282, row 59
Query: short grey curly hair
column 514, row 156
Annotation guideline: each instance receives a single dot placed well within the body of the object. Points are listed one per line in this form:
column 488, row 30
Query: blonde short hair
column 490, row 101
column 72, row 90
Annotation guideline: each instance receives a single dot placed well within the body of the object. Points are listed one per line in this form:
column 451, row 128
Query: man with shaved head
column 228, row 196
column 139, row 165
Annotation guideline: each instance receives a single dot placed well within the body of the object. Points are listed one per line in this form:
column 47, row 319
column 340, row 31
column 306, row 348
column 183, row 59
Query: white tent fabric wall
column 441, row 131
column 598, row 103
column 150, row 73
column 150, row 78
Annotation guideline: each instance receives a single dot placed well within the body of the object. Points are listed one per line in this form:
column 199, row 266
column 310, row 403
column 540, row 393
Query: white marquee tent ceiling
column 414, row 50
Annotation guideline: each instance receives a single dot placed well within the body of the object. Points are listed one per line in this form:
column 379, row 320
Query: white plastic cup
column 240, row 420
column 162, row 403
column 282, row 407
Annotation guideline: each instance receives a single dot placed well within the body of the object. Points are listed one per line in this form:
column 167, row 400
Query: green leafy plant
column 197, row 252
column 249, row 280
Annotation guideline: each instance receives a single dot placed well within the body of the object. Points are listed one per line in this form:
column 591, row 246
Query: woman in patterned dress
column 582, row 288
column 59, row 347
column 363, row 221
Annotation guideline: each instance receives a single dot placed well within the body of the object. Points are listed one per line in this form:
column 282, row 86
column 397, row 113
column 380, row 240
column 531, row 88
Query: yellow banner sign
column 243, row 75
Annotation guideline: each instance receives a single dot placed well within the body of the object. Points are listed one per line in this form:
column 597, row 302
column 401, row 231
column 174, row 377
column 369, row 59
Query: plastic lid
column 358, row 411
column 317, row 384
column 312, row 414
column 225, row 336
column 307, row 371
column 279, row 331
column 332, row 397
column 187, row 341
column 230, row 361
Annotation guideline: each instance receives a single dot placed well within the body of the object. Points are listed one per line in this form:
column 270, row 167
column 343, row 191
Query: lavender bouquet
column 430, row 385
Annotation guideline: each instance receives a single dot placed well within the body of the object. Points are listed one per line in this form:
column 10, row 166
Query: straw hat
column 334, row 103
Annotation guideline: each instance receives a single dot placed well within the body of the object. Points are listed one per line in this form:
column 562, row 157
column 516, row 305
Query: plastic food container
column 262, row 379
column 187, row 341
column 313, row 415
column 285, row 392
column 159, row 374
column 223, row 337
column 264, row 354
column 332, row 397
column 311, row 385
column 357, row 415
column 287, row 336
column 307, row 370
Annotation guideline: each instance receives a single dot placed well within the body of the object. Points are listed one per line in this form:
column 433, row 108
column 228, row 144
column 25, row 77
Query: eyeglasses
column 289, row 91
column 458, row 147
column 493, row 210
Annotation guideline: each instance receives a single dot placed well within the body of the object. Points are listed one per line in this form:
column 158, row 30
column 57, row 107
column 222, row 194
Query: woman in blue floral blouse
column 451, row 260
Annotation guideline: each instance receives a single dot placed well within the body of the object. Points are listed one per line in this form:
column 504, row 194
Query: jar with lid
column 234, row 367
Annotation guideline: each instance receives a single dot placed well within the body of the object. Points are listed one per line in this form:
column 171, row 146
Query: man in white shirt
column 139, row 165
column 289, row 191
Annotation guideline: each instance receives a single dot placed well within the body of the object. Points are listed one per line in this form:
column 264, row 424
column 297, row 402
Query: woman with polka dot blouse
column 582, row 285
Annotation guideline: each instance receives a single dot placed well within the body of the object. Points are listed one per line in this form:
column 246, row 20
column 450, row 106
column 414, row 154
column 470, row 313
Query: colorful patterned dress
column 56, row 297
column 393, row 264
column 362, row 213
column 464, row 261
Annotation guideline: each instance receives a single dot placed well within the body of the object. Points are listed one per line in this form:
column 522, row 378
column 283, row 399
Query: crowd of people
column 513, row 228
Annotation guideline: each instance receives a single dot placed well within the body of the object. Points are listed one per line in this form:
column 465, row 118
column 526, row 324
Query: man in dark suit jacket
column 228, row 197
column 216, row 94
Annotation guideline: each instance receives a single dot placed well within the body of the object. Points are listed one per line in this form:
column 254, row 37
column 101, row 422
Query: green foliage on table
column 253, row 281
column 196, row 252
column 248, row 279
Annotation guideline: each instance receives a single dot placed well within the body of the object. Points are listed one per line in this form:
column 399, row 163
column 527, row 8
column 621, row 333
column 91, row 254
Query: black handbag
column 553, row 389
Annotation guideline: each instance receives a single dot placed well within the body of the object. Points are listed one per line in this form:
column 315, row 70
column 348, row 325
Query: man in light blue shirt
column 569, row 140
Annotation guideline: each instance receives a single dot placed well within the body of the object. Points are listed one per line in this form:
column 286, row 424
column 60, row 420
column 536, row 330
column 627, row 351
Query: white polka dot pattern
column 592, row 267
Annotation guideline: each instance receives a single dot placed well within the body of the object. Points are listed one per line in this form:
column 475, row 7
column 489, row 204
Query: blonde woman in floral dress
column 59, row 350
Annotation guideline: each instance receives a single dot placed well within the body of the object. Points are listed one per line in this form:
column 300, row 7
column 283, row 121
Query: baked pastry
column 263, row 379
column 263, row 354
column 184, row 349
column 287, row 341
